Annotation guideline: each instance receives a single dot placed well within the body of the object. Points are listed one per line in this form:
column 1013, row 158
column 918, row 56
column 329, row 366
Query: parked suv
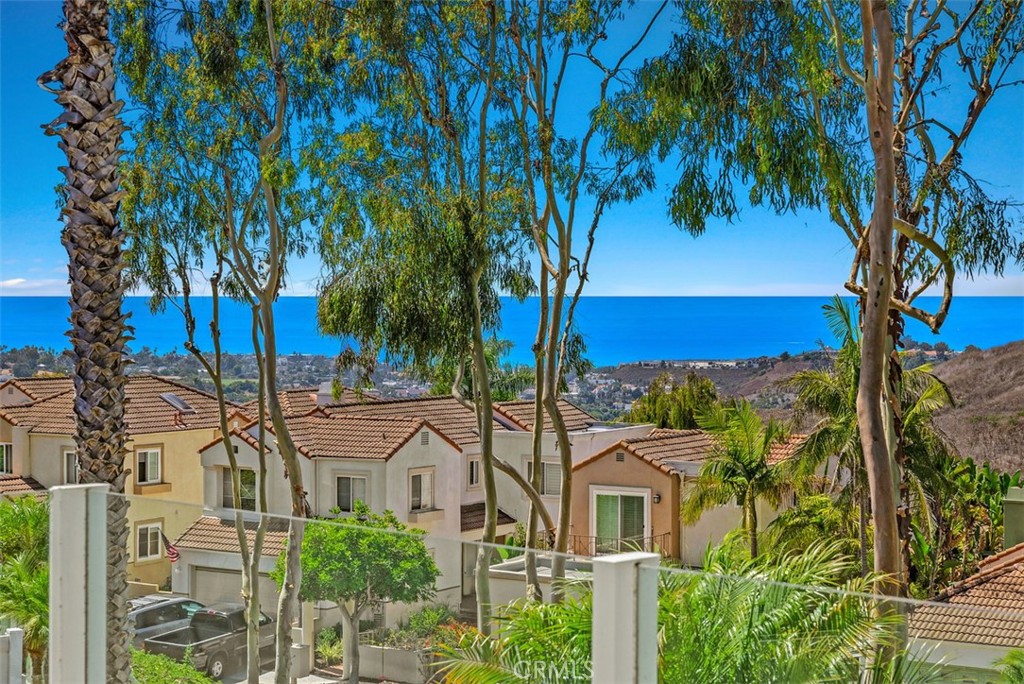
column 158, row 613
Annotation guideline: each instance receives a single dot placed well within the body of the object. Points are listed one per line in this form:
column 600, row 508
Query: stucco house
column 403, row 464
column 167, row 423
column 629, row 494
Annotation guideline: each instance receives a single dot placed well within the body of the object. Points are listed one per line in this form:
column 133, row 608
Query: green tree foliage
column 507, row 380
column 1011, row 667
column 221, row 181
column 669, row 403
column 24, row 573
column 361, row 560
column 813, row 518
column 738, row 471
column 777, row 619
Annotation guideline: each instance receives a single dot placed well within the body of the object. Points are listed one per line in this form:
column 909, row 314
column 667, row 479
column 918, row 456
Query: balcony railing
column 580, row 545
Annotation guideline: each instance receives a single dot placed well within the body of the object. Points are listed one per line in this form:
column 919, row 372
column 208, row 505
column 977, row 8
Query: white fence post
column 78, row 583
column 625, row 621
column 12, row 663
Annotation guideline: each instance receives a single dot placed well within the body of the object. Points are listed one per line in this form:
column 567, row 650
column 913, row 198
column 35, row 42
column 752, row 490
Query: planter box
column 393, row 664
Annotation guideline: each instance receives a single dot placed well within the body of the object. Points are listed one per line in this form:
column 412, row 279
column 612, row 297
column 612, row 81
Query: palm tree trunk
column 90, row 131
column 751, row 506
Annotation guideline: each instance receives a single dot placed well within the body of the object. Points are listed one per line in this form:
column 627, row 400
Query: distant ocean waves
column 616, row 329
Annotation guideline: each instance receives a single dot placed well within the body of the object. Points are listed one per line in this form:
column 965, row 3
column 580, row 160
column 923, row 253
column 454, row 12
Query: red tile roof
column 667, row 449
column 302, row 400
column 319, row 434
column 209, row 533
column 986, row 608
column 447, row 414
column 38, row 388
column 472, row 517
column 148, row 409
column 12, row 486
column 522, row 414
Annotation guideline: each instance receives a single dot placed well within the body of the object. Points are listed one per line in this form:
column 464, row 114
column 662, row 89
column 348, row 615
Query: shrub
column 151, row 668
column 425, row 621
column 329, row 651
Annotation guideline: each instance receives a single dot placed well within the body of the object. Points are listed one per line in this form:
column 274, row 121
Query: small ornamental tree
column 370, row 557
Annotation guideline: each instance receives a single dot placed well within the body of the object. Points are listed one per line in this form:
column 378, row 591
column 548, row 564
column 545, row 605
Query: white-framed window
column 147, row 542
column 6, row 458
column 147, row 466
column 421, row 489
column 550, row 477
column 70, row 466
column 473, row 475
column 247, row 489
column 350, row 489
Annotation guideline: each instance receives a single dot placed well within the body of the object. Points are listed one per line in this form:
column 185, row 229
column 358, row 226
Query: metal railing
column 580, row 545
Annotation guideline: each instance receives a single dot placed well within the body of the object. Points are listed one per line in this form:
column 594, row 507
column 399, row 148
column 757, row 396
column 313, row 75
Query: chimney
column 1013, row 517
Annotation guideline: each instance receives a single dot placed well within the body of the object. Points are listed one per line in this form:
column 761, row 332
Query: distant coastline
column 616, row 329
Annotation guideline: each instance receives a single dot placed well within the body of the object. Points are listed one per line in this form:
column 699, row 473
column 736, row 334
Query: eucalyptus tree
column 766, row 96
column 572, row 175
column 90, row 130
column 434, row 217
column 223, row 91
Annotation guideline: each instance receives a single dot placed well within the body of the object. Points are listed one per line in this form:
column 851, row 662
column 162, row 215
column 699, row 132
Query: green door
column 620, row 522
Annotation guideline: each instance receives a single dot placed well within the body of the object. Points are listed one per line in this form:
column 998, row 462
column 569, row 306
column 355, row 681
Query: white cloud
column 23, row 287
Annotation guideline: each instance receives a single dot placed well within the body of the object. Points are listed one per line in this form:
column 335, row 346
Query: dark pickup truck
column 214, row 639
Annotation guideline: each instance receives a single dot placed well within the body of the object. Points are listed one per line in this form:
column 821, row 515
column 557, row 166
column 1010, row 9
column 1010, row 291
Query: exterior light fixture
column 657, row 498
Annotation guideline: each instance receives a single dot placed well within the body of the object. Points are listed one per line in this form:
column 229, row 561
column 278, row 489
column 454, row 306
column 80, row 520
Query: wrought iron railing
column 581, row 545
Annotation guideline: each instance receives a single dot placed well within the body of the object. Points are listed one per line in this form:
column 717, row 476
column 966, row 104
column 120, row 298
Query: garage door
column 213, row 585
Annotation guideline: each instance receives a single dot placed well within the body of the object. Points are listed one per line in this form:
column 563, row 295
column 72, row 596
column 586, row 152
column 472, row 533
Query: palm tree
column 1011, row 667
column 24, row 600
column 738, row 470
column 24, row 528
column 831, row 395
column 90, row 132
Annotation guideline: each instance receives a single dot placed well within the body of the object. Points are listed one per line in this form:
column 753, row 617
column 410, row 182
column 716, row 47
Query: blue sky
column 638, row 250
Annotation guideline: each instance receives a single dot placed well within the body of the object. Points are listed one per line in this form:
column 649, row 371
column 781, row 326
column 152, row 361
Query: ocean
column 616, row 329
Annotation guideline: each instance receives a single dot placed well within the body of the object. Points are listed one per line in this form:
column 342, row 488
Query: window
column 247, row 489
column 421, row 490
column 474, row 472
column 70, row 466
column 6, row 458
column 147, row 542
column 350, row 490
column 147, row 469
column 550, row 478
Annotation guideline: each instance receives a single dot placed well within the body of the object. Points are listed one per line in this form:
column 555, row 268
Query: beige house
column 167, row 424
column 629, row 495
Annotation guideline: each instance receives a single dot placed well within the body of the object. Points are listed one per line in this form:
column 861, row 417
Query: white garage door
column 213, row 585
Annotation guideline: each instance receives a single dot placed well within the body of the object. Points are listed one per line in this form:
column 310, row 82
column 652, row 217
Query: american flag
column 172, row 552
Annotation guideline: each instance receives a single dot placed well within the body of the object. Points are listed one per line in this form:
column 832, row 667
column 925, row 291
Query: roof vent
column 177, row 402
column 424, row 437
column 620, row 457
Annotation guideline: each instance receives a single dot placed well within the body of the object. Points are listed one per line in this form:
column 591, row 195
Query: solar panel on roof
column 177, row 402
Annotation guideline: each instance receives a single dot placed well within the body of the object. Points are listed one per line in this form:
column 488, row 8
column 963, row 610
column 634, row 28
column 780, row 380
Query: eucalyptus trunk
column 873, row 412
column 90, row 131
column 533, row 592
column 485, row 412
